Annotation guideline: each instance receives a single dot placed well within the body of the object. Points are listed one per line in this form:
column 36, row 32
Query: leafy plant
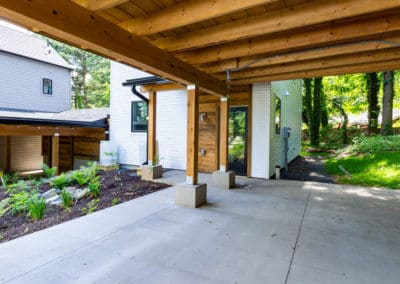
column 67, row 200
column 49, row 171
column 36, row 207
column 115, row 201
column 91, row 206
column 80, row 177
column 19, row 202
column 19, row 186
column 94, row 186
column 60, row 181
column 9, row 178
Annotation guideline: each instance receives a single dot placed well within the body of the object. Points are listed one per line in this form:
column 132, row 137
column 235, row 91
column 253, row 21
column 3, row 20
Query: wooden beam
column 347, row 60
column 297, row 56
column 32, row 130
column 151, row 132
column 192, row 145
column 161, row 87
column 307, row 14
column 98, row 5
column 8, row 153
column 223, row 135
column 332, row 71
column 73, row 24
column 55, row 151
column 376, row 27
column 187, row 13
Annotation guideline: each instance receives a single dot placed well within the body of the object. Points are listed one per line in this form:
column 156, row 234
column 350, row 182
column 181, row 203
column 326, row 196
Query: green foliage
column 18, row 186
column 94, row 186
column 9, row 178
column 19, row 201
column 115, row 201
column 91, row 206
column 378, row 169
column 375, row 144
column 67, row 200
column 49, row 172
column 60, row 181
column 91, row 76
column 36, row 207
column 4, row 206
column 80, row 178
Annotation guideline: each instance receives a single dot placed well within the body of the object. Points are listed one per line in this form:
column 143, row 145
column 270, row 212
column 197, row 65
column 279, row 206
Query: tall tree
column 316, row 113
column 324, row 109
column 387, row 103
column 373, row 107
column 90, row 78
column 307, row 101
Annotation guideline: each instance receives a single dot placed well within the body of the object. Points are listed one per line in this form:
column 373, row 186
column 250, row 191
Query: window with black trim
column 47, row 86
column 278, row 115
column 139, row 114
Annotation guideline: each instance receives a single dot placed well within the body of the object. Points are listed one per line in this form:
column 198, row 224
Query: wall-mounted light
column 287, row 93
column 203, row 116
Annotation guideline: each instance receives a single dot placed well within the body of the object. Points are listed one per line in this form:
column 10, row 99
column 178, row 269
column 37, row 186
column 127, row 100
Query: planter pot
column 151, row 172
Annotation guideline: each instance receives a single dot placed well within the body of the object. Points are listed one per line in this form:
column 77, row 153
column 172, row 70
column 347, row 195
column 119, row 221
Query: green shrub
column 94, row 186
column 49, row 172
column 67, row 199
column 19, row 202
column 9, row 178
column 115, row 201
column 91, row 206
column 79, row 177
column 375, row 144
column 19, row 186
column 36, row 207
column 60, row 182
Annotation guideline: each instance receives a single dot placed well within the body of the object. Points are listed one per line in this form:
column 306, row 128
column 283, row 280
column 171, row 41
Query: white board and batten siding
column 21, row 85
column 267, row 146
column 170, row 122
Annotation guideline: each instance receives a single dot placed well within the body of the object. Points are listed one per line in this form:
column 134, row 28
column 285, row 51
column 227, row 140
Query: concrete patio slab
column 260, row 232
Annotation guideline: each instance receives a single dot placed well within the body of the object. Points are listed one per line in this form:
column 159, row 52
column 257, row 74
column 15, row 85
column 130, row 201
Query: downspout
column 143, row 98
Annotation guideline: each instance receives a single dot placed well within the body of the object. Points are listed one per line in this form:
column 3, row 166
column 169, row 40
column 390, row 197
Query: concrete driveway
column 262, row 232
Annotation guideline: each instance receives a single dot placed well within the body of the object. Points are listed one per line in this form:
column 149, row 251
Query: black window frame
column 51, row 86
column 278, row 108
column 134, row 124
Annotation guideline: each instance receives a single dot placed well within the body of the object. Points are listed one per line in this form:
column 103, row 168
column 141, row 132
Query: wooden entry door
column 208, row 137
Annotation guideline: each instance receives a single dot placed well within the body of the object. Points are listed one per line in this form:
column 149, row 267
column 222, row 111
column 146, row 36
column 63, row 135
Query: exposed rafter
column 97, row 5
column 350, row 59
column 310, row 13
column 371, row 28
column 187, row 13
column 340, row 70
column 297, row 56
column 70, row 23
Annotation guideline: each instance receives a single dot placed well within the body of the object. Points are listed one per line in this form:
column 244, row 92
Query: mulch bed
column 114, row 184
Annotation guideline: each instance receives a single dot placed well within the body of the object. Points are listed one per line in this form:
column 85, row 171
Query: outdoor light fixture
column 203, row 116
column 287, row 93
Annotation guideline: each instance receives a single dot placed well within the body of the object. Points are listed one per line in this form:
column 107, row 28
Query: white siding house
column 267, row 147
column 26, row 62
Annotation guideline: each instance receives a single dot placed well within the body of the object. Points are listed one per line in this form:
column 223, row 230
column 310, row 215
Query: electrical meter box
column 286, row 132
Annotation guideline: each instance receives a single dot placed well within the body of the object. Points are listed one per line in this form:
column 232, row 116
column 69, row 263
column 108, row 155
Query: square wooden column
column 55, row 151
column 223, row 135
column 192, row 142
column 152, row 137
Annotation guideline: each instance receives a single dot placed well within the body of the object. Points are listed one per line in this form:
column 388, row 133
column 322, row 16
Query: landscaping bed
column 114, row 187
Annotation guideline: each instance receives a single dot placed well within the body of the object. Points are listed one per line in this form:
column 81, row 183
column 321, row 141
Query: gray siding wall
column 21, row 85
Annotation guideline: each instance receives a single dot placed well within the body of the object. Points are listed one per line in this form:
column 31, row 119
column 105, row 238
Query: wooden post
column 192, row 134
column 152, row 142
column 8, row 153
column 223, row 136
column 55, row 151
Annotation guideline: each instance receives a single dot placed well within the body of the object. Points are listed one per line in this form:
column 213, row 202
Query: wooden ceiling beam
column 187, row 13
column 372, row 28
column 98, row 5
column 347, row 60
column 307, row 14
column 332, row 71
column 259, row 60
column 70, row 23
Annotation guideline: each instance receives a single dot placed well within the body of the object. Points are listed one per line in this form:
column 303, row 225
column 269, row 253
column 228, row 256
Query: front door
column 238, row 140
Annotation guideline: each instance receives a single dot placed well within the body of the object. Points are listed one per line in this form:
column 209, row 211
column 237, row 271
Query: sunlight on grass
column 380, row 169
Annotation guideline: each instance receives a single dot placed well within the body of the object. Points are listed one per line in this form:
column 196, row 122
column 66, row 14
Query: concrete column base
column 151, row 172
column 225, row 180
column 190, row 195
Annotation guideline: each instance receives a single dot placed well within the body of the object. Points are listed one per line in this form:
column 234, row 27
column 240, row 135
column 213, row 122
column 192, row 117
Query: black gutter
column 102, row 123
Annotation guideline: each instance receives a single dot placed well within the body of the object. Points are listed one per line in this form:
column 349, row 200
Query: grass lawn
column 378, row 169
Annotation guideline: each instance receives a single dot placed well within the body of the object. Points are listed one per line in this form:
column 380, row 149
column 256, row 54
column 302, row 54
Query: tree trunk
column 373, row 107
column 316, row 113
column 387, row 103
column 324, row 111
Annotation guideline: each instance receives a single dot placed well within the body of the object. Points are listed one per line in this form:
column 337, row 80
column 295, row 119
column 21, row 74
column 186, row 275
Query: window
column 139, row 116
column 47, row 88
column 278, row 115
